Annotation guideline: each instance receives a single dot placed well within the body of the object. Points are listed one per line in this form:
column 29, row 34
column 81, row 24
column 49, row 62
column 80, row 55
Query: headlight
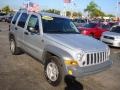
column 117, row 38
column 79, row 56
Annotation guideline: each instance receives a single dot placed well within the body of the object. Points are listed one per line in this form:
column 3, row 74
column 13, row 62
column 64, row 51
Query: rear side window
column 22, row 20
column 15, row 18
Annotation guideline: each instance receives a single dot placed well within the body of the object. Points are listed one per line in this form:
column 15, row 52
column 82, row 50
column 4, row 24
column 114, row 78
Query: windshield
column 115, row 29
column 58, row 25
column 105, row 26
column 90, row 25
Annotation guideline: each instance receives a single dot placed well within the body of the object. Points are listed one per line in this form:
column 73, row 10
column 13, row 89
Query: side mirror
column 31, row 29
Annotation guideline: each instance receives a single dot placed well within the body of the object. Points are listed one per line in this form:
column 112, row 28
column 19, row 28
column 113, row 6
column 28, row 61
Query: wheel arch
column 55, row 51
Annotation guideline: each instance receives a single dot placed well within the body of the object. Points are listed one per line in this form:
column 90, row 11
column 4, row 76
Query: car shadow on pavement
column 114, row 47
column 72, row 83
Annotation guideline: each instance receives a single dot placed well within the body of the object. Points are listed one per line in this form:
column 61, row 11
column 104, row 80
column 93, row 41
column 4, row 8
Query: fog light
column 70, row 72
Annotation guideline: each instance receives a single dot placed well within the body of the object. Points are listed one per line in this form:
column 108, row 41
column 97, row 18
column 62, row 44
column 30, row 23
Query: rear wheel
column 53, row 71
column 13, row 48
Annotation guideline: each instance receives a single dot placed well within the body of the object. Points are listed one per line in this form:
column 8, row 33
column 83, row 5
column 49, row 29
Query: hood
column 112, row 34
column 84, row 28
column 79, row 42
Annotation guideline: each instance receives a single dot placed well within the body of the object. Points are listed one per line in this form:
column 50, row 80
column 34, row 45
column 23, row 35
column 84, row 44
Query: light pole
column 117, row 9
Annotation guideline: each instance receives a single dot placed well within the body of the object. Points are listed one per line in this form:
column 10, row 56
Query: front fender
column 57, row 51
column 60, row 53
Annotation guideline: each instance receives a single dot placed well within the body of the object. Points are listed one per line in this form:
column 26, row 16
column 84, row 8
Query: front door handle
column 16, row 28
column 26, row 33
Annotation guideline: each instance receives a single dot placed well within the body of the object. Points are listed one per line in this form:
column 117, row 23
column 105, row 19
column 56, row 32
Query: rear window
column 90, row 25
column 22, row 20
column 16, row 17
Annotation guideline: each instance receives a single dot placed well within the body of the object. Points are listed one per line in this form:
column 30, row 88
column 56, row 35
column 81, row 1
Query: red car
column 93, row 29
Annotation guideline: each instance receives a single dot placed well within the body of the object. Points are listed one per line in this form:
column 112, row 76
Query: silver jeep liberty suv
column 56, row 42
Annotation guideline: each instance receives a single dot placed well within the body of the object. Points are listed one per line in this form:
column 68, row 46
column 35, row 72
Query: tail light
column 83, row 31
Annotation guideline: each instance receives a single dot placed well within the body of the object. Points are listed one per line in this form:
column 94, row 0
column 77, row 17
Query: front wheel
column 53, row 71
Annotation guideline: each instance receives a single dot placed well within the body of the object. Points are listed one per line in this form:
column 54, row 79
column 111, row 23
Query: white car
column 112, row 37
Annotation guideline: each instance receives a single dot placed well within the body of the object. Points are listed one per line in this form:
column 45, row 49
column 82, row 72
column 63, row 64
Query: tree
column 6, row 9
column 79, row 14
column 68, row 13
column 110, row 15
column 94, row 10
column 52, row 11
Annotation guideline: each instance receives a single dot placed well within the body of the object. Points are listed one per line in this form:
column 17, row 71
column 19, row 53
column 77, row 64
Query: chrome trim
column 94, row 58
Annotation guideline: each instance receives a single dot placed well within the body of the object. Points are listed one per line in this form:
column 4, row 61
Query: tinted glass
column 15, row 18
column 82, row 21
column 2, row 14
column 33, row 23
column 90, row 25
column 115, row 29
column 105, row 26
column 22, row 20
column 58, row 25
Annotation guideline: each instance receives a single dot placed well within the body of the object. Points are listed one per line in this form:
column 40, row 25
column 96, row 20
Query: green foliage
column 52, row 11
column 93, row 10
column 79, row 14
column 68, row 13
column 73, row 14
column 110, row 15
column 6, row 9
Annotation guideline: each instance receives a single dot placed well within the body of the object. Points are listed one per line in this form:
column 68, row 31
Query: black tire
column 91, row 35
column 13, row 48
column 60, row 79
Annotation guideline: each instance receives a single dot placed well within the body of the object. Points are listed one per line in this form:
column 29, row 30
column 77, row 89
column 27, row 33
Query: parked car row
column 3, row 16
column 6, row 17
column 108, row 32
column 112, row 37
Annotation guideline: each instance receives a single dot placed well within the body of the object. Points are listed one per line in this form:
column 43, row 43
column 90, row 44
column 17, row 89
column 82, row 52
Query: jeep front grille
column 94, row 58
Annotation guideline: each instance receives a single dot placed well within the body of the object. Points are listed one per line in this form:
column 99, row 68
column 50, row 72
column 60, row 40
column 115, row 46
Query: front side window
column 16, row 17
column 33, row 23
column 22, row 20
column 90, row 25
column 58, row 25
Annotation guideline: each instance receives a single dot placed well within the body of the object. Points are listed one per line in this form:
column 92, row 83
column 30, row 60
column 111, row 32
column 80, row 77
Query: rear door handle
column 26, row 33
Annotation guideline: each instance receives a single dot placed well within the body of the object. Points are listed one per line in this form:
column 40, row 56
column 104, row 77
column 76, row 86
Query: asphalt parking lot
column 25, row 73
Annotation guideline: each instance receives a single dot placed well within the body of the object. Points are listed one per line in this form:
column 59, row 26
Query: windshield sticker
column 47, row 18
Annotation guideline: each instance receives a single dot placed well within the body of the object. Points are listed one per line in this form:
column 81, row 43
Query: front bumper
column 114, row 43
column 83, row 71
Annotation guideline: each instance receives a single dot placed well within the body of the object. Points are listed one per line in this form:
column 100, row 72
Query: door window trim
column 38, row 22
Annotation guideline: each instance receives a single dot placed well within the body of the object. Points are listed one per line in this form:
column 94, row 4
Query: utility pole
column 117, row 9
